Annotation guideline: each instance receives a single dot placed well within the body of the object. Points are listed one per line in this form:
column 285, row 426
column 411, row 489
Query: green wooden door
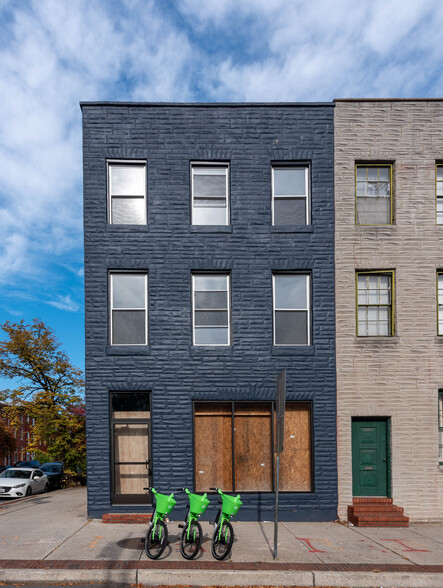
column 370, row 467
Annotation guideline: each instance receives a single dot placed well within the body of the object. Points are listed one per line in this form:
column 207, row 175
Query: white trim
column 195, row 165
column 127, row 162
column 306, row 196
column 228, row 292
column 307, row 309
column 111, row 305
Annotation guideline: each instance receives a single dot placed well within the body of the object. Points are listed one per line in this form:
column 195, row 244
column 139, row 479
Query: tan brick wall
column 396, row 377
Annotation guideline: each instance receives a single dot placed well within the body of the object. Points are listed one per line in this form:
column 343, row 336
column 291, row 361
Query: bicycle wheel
column 190, row 542
column 156, row 540
column 222, row 542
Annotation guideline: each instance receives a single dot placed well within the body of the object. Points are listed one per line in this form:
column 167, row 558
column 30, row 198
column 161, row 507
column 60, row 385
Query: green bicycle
column 192, row 534
column 157, row 534
column 223, row 536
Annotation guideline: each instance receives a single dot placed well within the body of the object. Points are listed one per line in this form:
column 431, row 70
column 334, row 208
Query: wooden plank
column 213, row 447
column 295, row 461
column 253, row 454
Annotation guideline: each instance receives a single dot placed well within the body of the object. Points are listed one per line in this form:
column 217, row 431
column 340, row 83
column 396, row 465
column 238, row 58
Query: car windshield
column 51, row 467
column 23, row 474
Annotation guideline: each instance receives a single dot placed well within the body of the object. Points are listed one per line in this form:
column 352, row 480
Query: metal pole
column 277, row 482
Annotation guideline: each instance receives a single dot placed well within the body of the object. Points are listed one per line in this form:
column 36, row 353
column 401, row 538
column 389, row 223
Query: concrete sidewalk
column 48, row 538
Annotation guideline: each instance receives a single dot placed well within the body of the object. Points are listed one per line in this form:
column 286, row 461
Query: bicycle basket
column 231, row 504
column 198, row 504
column 165, row 503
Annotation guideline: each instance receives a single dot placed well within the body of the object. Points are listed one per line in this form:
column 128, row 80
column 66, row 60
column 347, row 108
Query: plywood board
column 213, row 447
column 253, row 453
column 295, row 461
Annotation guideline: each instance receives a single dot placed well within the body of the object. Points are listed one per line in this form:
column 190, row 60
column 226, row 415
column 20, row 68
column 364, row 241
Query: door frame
column 387, row 420
column 132, row 499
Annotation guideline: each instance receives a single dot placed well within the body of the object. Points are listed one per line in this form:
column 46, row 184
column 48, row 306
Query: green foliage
column 50, row 391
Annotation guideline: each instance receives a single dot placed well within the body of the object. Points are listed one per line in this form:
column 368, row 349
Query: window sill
column 211, row 350
column 439, row 339
column 127, row 228
column 292, row 229
column 376, row 228
column 293, row 350
column 127, row 350
column 210, row 228
column 391, row 340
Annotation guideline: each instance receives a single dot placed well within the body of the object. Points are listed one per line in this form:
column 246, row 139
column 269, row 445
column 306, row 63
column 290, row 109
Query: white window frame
column 128, row 163
column 374, row 273
column 208, row 164
column 306, row 196
column 440, row 427
column 228, row 286
column 308, row 309
column 439, row 193
column 111, row 307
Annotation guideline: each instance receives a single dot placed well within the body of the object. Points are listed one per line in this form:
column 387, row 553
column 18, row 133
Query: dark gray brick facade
column 250, row 137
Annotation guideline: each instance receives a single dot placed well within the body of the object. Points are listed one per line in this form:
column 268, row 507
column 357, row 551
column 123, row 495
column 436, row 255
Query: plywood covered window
column 234, row 447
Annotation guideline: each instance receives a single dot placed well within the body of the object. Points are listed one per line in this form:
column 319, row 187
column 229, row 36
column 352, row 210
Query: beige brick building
column 389, row 250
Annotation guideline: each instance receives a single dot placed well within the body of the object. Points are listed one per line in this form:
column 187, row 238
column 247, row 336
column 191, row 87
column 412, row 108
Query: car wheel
column 28, row 491
column 46, row 488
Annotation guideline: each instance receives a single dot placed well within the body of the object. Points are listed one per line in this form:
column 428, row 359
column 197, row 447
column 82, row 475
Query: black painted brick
column 250, row 137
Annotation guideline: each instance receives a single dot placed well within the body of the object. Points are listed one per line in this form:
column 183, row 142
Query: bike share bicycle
column 192, row 534
column 223, row 536
column 157, row 534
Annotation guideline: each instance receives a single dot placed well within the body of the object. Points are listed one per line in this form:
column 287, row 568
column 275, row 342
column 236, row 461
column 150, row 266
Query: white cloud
column 64, row 303
column 53, row 55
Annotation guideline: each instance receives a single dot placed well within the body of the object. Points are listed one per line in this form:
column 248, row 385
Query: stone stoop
column 114, row 517
column 376, row 512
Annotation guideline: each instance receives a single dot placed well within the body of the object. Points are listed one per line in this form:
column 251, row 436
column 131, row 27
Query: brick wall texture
column 250, row 137
column 396, row 377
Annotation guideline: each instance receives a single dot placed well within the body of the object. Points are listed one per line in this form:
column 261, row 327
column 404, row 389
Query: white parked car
column 16, row 482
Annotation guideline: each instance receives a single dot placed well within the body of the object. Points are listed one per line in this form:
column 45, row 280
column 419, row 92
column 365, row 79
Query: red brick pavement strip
column 38, row 564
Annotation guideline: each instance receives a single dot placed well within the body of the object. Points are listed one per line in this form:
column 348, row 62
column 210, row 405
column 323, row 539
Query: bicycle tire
column 221, row 543
column 190, row 545
column 156, row 539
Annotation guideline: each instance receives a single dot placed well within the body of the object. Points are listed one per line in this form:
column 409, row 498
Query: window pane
column 127, row 180
column 289, row 211
column 210, row 202
column 209, row 216
column 211, row 318
column 128, row 327
column 440, row 172
column 205, row 282
column 128, row 211
column 291, row 328
column 361, row 188
column 383, row 174
column 361, row 173
column 290, row 292
column 130, row 404
column 210, row 300
column 129, row 290
column 289, row 182
column 373, row 210
column 211, row 336
column 372, row 174
column 209, row 185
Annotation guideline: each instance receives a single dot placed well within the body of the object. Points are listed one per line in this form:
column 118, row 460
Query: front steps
column 376, row 512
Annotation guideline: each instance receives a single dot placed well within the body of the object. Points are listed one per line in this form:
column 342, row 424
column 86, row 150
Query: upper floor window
column 127, row 193
column 290, row 195
column 211, row 312
column 440, row 427
column 373, row 195
column 440, row 302
column 210, row 194
column 129, row 308
column 439, row 194
column 374, row 304
column 291, row 309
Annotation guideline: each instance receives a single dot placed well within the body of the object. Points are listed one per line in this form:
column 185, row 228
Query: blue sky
column 55, row 53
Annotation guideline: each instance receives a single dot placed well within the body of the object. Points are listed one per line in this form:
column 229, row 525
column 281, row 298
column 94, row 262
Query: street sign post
column 280, row 434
